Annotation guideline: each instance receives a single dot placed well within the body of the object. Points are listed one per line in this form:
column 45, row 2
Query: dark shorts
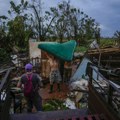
column 36, row 101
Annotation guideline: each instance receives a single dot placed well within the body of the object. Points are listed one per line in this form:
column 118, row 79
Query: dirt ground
column 44, row 92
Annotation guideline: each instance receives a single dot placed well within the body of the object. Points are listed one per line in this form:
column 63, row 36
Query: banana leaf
column 62, row 51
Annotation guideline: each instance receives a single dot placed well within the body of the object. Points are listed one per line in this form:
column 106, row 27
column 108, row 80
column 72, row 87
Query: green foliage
column 59, row 23
column 104, row 42
column 17, row 30
column 4, row 56
column 71, row 23
column 80, row 49
column 48, row 107
column 54, row 105
column 3, row 17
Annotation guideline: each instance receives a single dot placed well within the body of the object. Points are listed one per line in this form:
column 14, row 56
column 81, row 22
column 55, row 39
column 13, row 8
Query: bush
column 4, row 56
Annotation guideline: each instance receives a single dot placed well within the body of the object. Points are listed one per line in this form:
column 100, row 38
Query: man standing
column 31, row 83
column 67, row 71
column 54, row 72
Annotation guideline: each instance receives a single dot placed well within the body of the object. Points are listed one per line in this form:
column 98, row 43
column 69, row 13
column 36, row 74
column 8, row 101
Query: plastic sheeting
column 81, row 71
column 62, row 51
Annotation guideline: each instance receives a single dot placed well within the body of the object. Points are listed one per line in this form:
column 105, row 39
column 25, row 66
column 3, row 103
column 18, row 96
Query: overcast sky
column 105, row 12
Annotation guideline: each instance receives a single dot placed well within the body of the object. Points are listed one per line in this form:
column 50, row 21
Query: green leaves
column 54, row 104
column 71, row 23
column 4, row 56
column 3, row 17
column 63, row 22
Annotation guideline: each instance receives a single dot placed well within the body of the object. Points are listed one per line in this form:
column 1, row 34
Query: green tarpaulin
column 63, row 51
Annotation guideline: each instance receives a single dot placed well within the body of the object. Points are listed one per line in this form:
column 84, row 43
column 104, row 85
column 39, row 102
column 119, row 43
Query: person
column 75, row 65
column 54, row 72
column 31, row 90
column 67, row 71
column 61, row 69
